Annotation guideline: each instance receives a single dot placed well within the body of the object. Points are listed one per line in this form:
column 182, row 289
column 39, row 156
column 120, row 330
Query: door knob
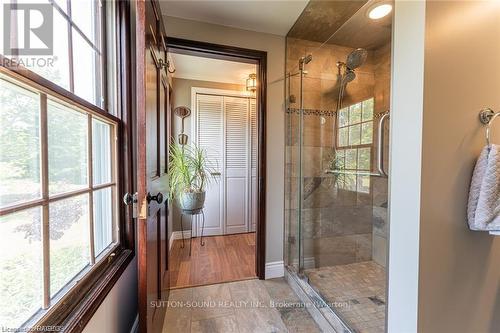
column 158, row 198
column 129, row 199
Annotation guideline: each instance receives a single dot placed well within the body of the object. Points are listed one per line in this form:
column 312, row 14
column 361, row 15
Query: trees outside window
column 57, row 192
column 354, row 141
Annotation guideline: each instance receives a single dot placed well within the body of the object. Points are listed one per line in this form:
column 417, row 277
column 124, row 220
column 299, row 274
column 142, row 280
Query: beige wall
column 181, row 96
column 459, row 287
column 117, row 312
column 275, row 47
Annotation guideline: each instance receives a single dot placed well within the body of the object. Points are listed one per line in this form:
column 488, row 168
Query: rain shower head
column 356, row 58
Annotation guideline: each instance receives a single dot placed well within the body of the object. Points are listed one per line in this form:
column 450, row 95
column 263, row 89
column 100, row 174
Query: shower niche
column 338, row 67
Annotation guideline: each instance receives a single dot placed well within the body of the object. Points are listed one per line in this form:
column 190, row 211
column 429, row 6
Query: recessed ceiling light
column 379, row 10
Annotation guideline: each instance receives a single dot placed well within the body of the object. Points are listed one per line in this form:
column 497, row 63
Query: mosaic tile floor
column 356, row 291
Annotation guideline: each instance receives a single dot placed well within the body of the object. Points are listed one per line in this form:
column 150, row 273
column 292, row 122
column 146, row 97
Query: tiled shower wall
column 338, row 226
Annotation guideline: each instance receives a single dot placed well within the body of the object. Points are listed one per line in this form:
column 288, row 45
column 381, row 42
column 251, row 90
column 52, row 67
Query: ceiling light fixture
column 379, row 10
column 252, row 82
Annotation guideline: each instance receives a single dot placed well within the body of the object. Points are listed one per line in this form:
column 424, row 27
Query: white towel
column 483, row 209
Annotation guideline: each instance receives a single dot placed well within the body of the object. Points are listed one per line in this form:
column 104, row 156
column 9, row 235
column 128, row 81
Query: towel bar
column 487, row 116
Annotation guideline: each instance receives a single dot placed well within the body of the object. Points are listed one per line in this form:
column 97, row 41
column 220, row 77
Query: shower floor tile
column 356, row 292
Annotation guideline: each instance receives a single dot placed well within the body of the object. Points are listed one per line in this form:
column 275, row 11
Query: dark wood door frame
column 225, row 52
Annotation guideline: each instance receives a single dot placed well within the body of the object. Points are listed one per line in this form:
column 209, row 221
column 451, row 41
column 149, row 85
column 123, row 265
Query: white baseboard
column 135, row 326
column 178, row 235
column 275, row 269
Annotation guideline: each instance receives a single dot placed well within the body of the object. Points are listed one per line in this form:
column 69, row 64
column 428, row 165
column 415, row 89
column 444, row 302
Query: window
column 76, row 63
column 354, row 141
column 58, row 189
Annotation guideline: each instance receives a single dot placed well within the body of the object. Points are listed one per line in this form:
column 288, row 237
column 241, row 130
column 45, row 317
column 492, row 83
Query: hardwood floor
column 222, row 259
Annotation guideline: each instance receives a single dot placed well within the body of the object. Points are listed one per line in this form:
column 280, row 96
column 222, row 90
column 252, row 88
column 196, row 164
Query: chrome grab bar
column 380, row 151
column 352, row 172
column 380, row 155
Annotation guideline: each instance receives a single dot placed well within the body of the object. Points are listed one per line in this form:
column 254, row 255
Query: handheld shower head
column 304, row 60
column 348, row 76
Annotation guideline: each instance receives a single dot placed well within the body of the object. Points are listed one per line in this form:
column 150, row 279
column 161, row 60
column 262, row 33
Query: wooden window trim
column 28, row 77
column 77, row 308
column 98, row 277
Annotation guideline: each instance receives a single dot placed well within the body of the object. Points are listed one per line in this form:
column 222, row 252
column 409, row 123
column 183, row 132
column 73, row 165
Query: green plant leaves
column 189, row 170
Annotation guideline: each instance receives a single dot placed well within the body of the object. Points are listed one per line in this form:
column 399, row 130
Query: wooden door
column 151, row 132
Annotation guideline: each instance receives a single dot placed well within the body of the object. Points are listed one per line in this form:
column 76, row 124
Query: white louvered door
column 209, row 136
column 237, row 147
column 226, row 127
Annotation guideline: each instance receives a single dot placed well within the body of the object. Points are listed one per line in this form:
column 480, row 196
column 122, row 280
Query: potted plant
column 189, row 174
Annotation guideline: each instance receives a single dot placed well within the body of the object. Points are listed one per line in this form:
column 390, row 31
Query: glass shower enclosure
column 336, row 174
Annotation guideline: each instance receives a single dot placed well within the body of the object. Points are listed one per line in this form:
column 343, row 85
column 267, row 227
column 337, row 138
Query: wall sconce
column 252, row 82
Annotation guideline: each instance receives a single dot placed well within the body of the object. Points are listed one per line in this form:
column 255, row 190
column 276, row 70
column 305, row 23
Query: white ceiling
column 207, row 69
column 274, row 17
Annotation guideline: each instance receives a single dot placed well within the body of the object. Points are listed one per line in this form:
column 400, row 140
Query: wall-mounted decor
column 182, row 112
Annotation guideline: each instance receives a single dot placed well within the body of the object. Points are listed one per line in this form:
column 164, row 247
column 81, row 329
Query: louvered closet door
column 237, row 164
column 253, row 164
column 209, row 131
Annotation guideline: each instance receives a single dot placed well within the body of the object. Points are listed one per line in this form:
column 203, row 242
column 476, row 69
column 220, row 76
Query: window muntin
column 355, row 124
column 354, row 141
column 62, row 222
column 77, row 62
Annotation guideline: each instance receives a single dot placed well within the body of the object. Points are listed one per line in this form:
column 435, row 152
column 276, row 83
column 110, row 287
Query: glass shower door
column 336, row 209
column 292, row 170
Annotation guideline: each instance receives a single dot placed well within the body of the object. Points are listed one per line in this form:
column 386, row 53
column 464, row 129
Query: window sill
column 74, row 312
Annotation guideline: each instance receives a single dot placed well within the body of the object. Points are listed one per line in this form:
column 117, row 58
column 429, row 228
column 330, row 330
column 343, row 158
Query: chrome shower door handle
column 380, row 151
